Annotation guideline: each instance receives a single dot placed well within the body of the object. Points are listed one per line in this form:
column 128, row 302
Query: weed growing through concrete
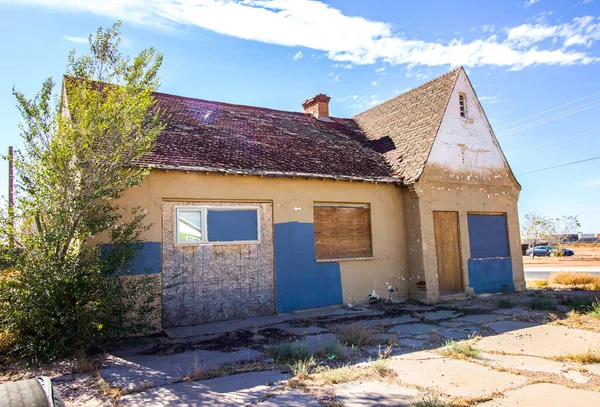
column 594, row 310
column 585, row 358
column 341, row 375
column 576, row 302
column 355, row 334
column 541, row 304
column 334, row 350
column 302, row 368
column 431, row 401
column 505, row 302
column 288, row 352
column 380, row 365
column 459, row 350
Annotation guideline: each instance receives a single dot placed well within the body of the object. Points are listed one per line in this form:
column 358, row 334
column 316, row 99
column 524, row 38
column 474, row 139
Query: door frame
column 460, row 256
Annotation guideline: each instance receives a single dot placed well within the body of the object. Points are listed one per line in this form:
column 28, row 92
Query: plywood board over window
column 342, row 231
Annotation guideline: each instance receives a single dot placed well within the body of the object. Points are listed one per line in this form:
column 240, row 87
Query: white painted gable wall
column 465, row 149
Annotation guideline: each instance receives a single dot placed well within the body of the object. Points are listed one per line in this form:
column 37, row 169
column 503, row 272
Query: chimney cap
column 320, row 97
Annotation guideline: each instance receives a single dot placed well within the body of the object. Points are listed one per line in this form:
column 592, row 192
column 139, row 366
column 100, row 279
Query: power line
column 551, row 118
column 551, row 142
column 560, row 165
column 549, row 110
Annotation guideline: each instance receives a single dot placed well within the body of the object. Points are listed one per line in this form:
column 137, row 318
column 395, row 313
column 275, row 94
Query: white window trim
column 204, row 216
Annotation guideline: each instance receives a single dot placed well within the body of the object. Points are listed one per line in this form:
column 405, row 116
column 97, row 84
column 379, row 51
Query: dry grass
column 581, row 321
column 302, row 368
column 576, row 280
column 540, row 283
column 355, row 334
column 459, row 350
column 585, row 358
column 7, row 342
column 431, row 401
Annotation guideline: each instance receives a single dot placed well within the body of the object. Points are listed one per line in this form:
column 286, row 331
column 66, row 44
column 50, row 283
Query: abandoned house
column 257, row 211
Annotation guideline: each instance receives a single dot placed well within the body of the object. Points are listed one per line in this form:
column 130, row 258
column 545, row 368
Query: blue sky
column 524, row 57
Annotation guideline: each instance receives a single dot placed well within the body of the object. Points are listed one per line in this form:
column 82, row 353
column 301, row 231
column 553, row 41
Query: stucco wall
column 466, row 172
column 292, row 201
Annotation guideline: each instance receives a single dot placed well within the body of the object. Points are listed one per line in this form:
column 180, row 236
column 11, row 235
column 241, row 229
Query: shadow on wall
column 301, row 282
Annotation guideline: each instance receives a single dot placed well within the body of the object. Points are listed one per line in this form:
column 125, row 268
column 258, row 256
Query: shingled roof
column 209, row 136
column 411, row 121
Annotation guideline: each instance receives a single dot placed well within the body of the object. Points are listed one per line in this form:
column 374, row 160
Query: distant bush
column 579, row 280
column 505, row 302
column 541, row 304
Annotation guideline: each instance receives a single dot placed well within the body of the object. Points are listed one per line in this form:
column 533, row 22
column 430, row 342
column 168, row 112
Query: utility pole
column 11, row 199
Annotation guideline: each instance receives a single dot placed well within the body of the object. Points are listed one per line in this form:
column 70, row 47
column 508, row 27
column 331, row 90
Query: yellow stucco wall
column 292, row 201
column 497, row 196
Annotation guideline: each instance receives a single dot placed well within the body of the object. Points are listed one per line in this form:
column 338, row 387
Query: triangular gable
column 466, row 149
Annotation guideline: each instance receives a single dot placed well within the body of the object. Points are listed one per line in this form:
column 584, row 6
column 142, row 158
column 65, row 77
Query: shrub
column 380, row 365
column 579, row 280
column 541, row 304
column 505, row 302
column 288, row 352
column 341, row 375
column 334, row 350
column 303, row 367
column 355, row 334
column 594, row 309
column 576, row 302
column 431, row 401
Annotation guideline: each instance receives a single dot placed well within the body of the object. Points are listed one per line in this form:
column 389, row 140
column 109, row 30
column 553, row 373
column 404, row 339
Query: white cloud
column 380, row 70
column 77, row 40
column 350, row 39
column 591, row 183
column 375, row 83
column 490, row 100
column 337, row 77
column 298, row 55
column 530, row 3
column 363, row 102
column 344, row 66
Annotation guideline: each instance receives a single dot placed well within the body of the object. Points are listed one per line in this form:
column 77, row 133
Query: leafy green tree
column 558, row 228
column 79, row 152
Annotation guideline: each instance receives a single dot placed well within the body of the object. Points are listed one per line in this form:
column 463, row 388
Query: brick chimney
column 318, row 106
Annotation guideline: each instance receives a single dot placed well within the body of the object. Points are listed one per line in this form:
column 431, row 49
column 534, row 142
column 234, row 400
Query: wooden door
column 447, row 248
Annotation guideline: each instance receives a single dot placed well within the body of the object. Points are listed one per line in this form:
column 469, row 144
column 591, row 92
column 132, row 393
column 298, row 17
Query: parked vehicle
column 540, row 251
column 565, row 251
column 30, row 393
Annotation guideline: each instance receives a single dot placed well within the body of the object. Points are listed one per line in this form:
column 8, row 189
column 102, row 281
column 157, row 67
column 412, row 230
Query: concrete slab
column 534, row 364
column 411, row 343
column 138, row 371
column 414, row 329
column 455, row 335
column 542, row 340
column 228, row 391
column 437, row 315
column 501, row 327
column 373, row 323
column 481, row 318
column 292, row 398
column 453, row 377
column 329, row 313
column 545, row 395
column 593, row 368
column 296, row 330
column 374, row 394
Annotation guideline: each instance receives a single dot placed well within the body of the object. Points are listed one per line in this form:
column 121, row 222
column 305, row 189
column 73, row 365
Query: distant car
column 566, row 252
column 540, row 251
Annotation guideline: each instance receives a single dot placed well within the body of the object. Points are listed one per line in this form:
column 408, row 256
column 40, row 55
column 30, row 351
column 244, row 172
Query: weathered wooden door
column 447, row 248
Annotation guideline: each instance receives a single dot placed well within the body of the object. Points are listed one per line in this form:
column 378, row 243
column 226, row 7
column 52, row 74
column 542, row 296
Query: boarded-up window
column 218, row 224
column 488, row 235
column 342, row 231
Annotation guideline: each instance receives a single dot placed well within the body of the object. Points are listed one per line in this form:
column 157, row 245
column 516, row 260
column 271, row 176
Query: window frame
column 462, row 110
column 346, row 205
column 203, row 209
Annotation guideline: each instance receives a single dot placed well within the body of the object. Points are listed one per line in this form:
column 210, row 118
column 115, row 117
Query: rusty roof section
column 208, row 136
column 411, row 121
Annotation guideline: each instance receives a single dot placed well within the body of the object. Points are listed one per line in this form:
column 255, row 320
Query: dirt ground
column 584, row 257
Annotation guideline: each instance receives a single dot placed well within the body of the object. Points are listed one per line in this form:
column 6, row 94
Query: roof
column 202, row 135
column 411, row 121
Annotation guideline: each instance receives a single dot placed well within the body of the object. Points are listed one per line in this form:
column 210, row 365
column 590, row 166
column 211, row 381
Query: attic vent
column 462, row 102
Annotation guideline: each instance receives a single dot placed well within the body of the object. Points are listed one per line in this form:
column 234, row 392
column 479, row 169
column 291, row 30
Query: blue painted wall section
column 301, row 282
column 488, row 236
column 146, row 261
column 491, row 275
column 232, row 225
column 490, row 265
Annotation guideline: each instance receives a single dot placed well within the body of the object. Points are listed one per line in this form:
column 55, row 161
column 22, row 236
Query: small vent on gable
column 462, row 102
